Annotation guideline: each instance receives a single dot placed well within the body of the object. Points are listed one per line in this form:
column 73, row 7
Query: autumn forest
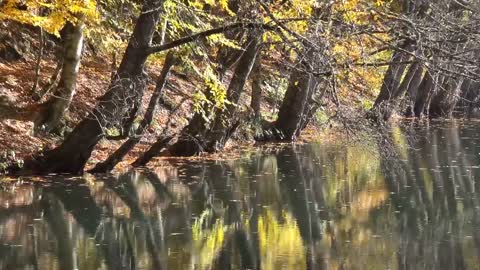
column 239, row 134
column 253, row 70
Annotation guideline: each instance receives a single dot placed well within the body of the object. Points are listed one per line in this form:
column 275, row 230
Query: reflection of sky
column 323, row 205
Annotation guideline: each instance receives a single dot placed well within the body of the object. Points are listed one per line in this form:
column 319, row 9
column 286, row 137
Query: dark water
column 410, row 204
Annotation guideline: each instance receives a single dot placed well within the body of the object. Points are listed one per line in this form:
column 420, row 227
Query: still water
column 411, row 203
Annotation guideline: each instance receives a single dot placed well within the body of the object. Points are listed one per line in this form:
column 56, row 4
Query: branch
column 193, row 37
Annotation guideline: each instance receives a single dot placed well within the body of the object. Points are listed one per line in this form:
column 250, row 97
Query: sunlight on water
column 408, row 201
column 281, row 245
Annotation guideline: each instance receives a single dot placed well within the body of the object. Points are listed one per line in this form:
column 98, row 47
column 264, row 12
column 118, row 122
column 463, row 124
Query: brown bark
column 153, row 151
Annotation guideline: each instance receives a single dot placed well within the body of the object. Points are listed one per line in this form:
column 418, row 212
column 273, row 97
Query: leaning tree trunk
column 225, row 121
column 392, row 90
column 412, row 91
column 198, row 136
column 382, row 108
column 424, row 94
column 256, row 101
column 294, row 106
column 123, row 150
column 297, row 109
column 407, row 83
column 57, row 105
column 114, row 107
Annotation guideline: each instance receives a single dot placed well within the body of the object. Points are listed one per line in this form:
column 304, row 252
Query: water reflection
column 412, row 204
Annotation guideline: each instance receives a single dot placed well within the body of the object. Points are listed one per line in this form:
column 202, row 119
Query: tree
column 304, row 82
column 117, row 156
column 395, row 84
column 65, row 18
column 200, row 136
column 118, row 107
column 58, row 104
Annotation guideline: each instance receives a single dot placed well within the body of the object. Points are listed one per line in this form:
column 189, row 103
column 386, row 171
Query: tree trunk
column 443, row 103
column 38, row 64
column 127, row 146
column 293, row 109
column 256, row 89
column 224, row 123
column 382, row 108
column 113, row 108
column 196, row 136
column 412, row 91
column 57, row 105
column 296, row 107
column 423, row 96
column 400, row 92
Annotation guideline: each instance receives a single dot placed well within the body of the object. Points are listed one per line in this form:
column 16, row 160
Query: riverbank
column 18, row 141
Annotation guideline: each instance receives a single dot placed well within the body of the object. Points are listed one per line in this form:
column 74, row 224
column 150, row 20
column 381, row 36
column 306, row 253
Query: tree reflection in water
column 313, row 206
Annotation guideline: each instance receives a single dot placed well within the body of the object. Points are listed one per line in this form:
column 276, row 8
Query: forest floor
column 18, row 142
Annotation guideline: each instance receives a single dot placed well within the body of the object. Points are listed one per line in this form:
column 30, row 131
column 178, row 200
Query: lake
column 406, row 201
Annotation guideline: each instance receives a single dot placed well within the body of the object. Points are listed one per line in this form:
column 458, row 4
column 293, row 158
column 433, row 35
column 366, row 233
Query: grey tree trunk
column 392, row 90
column 225, row 121
column 57, row 105
column 297, row 108
column 407, row 83
column 38, row 64
column 412, row 90
column 198, row 136
column 389, row 92
column 424, row 94
column 443, row 104
column 293, row 109
column 256, row 89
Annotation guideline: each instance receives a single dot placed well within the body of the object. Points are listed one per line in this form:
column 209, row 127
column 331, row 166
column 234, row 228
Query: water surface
column 409, row 204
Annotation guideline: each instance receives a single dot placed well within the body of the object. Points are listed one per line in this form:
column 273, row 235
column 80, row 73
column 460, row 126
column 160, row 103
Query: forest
column 239, row 134
column 179, row 78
